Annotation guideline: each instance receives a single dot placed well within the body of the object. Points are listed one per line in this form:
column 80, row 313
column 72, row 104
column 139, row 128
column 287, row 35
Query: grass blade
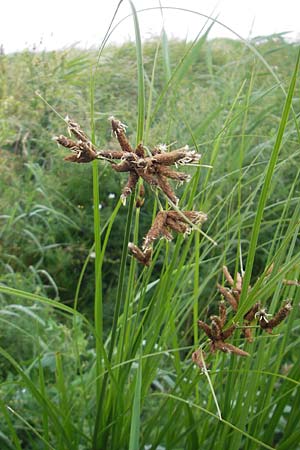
column 136, row 410
column 264, row 193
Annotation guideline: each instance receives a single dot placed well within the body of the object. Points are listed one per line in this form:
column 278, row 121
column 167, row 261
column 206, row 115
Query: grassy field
column 99, row 351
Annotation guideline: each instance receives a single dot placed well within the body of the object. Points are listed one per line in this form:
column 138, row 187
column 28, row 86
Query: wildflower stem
column 205, row 371
column 120, row 288
column 98, row 313
column 195, row 302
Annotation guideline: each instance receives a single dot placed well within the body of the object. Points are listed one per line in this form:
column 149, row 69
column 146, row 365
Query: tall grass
column 134, row 385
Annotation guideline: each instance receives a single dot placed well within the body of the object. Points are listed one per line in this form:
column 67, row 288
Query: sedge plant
column 155, row 379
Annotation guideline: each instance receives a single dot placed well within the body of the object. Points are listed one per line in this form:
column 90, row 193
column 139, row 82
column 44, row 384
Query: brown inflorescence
column 218, row 331
column 153, row 167
column 268, row 324
column 198, row 358
column 83, row 151
column 143, row 257
column 162, row 227
column 232, row 295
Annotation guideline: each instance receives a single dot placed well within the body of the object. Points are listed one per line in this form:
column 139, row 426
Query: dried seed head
column 228, row 296
column 166, row 220
column 252, row 313
column 66, row 142
column 123, row 166
column 129, row 187
column 196, row 217
column 117, row 125
column 140, row 151
column 140, row 197
column 248, row 319
column 173, row 221
column 248, row 334
column 169, row 158
column 222, row 313
column 228, row 276
column 146, row 175
column 82, row 152
column 110, row 154
column 229, row 332
column 278, row 318
column 239, row 283
column 75, row 129
column 198, row 358
column 119, row 130
column 156, row 230
column 143, row 257
column 262, row 316
column 216, row 327
column 164, row 185
column 206, row 328
column 190, row 158
column 166, row 234
column 229, row 348
column 178, row 176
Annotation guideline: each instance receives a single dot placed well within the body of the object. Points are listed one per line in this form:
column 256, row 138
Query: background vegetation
column 106, row 362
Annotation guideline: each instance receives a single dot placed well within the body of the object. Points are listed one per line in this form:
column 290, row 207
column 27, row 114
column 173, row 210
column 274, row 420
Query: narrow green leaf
column 11, row 427
column 136, row 410
column 264, row 194
column 141, row 82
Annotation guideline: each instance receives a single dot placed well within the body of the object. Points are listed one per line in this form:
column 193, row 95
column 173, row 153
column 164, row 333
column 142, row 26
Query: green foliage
column 95, row 350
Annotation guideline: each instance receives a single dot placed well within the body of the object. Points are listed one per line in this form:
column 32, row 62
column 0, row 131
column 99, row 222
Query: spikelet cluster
column 257, row 317
column 153, row 167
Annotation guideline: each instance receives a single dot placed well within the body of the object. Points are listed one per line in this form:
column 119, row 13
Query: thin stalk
column 98, row 308
column 97, row 442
